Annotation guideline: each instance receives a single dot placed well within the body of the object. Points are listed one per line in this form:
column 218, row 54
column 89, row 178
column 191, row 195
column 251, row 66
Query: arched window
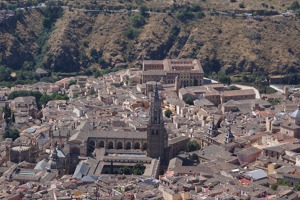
column 128, row 145
column 119, row 145
column 137, row 145
column 101, row 144
column 74, row 151
column 144, row 146
column 91, row 146
column 110, row 145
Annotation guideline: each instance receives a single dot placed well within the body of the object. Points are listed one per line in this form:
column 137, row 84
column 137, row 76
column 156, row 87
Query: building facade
column 157, row 137
column 188, row 71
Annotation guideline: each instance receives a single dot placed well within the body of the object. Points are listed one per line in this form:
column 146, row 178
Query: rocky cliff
column 232, row 44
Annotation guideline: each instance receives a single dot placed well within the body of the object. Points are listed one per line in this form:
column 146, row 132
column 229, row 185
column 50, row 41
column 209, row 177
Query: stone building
column 157, row 137
column 24, row 106
column 188, row 71
column 23, row 149
column 292, row 127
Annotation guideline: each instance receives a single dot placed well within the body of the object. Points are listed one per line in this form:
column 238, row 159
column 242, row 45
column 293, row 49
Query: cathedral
column 157, row 137
column 112, row 149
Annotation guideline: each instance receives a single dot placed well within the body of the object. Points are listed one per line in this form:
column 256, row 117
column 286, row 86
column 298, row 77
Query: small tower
column 54, row 163
column 295, row 116
column 212, row 130
column 177, row 84
column 157, row 137
column 229, row 136
column 286, row 91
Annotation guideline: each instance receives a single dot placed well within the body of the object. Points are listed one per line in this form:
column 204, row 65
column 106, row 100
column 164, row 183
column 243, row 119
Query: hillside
column 80, row 40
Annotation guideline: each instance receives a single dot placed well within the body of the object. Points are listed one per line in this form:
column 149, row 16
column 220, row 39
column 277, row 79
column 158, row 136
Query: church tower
column 157, row 137
column 212, row 130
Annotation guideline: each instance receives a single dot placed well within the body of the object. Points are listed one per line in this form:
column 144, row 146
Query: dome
column 296, row 113
column 54, row 162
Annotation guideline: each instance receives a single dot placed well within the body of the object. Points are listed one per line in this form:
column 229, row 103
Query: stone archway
column 128, row 145
column 101, row 144
column 74, row 151
column 144, row 147
column 91, row 146
column 137, row 145
column 110, row 145
column 119, row 145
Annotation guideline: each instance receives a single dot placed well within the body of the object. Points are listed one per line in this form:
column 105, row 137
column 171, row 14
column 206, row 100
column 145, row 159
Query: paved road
column 257, row 95
column 277, row 88
column 42, row 5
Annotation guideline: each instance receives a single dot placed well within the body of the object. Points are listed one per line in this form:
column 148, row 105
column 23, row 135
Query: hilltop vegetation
column 70, row 40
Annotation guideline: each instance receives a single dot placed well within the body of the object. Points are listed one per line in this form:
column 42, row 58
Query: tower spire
column 156, row 96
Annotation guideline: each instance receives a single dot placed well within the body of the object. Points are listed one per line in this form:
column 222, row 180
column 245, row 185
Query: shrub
column 137, row 20
column 242, row 5
column 233, row 87
column 274, row 101
column 168, row 113
column 14, row 134
column 295, row 5
column 184, row 14
column 193, row 145
column 128, row 7
column 143, row 9
column 188, row 101
column 131, row 33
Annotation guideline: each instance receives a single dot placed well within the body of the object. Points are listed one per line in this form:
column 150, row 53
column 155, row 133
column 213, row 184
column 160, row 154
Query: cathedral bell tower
column 157, row 137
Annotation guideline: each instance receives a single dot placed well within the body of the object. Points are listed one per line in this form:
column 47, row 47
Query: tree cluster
column 168, row 113
column 193, row 146
column 42, row 99
column 295, row 6
column 138, row 169
column 11, row 133
column 188, row 12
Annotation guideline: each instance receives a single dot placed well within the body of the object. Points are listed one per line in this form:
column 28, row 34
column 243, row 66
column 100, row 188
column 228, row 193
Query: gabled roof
column 296, row 113
column 257, row 174
column 41, row 165
column 81, row 170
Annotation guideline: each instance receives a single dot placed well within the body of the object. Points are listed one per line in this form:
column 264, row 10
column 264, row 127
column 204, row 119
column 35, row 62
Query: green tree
column 14, row 134
column 297, row 186
column 242, row 5
column 128, row 7
column 193, row 145
column 274, row 101
column 224, row 79
column 168, row 113
column 125, row 170
column 7, row 112
column 13, row 118
column 233, row 87
column 131, row 33
column 143, row 9
column 5, row 73
column 138, row 169
column 184, row 14
column 72, row 82
column 274, row 186
column 295, row 5
column 137, row 20
column 188, row 100
column 45, row 99
column 194, row 157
